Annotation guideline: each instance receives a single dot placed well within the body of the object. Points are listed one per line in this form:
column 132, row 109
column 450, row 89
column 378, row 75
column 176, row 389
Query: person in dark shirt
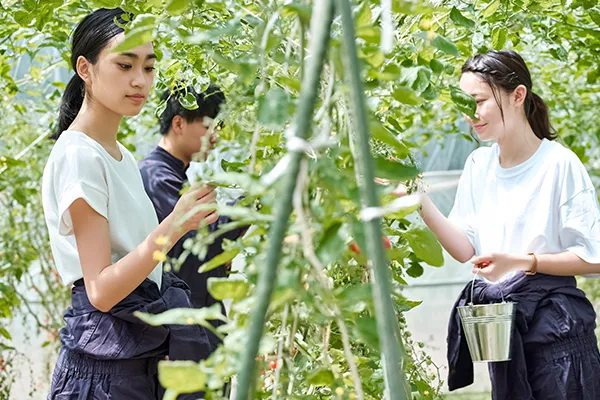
column 184, row 133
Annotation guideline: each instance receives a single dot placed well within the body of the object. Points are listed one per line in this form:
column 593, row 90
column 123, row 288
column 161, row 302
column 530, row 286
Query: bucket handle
column 473, row 288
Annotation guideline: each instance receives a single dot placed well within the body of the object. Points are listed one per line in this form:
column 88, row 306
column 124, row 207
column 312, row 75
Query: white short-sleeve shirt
column 79, row 167
column 545, row 205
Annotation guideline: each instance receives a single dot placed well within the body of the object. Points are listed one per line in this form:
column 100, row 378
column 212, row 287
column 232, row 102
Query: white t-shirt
column 79, row 167
column 545, row 205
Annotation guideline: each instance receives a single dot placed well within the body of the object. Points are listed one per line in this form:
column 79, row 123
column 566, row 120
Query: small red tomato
column 386, row 242
column 354, row 247
column 273, row 364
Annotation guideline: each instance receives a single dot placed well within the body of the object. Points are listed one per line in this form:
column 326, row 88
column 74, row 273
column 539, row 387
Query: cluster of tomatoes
column 267, row 379
column 356, row 249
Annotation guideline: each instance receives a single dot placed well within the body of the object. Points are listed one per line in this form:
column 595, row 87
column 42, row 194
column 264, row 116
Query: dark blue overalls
column 114, row 355
column 555, row 353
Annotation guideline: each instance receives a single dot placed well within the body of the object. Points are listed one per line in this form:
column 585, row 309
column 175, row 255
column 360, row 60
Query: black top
column 164, row 176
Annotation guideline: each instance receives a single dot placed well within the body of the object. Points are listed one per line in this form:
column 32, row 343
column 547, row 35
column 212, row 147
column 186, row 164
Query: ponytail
column 71, row 103
column 91, row 35
column 537, row 115
column 506, row 70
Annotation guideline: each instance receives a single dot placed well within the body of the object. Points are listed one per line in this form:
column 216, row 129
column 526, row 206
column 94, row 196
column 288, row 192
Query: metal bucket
column 488, row 329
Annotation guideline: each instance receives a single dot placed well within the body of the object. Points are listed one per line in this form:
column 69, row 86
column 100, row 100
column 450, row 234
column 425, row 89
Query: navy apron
column 555, row 353
column 114, row 355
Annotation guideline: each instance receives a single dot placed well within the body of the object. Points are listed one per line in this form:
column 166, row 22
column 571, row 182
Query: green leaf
column 219, row 260
column 351, row 295
column 436, row 66
column 417, row 78
column 269, row 140
column 415, row 270
column 595, row 16
column 141, row 21
column 445, row 45
column 225, row 288
column 424, row 244
column 177, row 7
column 491, row 8
column 23, row 18
column 365, row 17
column 332, row 245
column 321, row 377
column 135, row 38
column 465, row 102
column 389, row 73
column 188, row 102
column 394, row 170
column 181, row 376
column 5, row 333
column 303, row 11
column 458, row 18
column 431, row 93
column 407, row 96
column 499, row 37
column 237, row 179
column 290, row 83
column 367, row 329
column 273, row 109
column 12, row 162
column 106, row 3
column 381, row 133
column 184, row 316
column 230, row 28
column 405, row 304
column 5, row 347
column 559, row 53
column 370, row 34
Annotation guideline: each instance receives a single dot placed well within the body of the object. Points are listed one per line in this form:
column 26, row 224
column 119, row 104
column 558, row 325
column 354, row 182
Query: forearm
column 450, row 236
column 566, row 263
column 118, row 280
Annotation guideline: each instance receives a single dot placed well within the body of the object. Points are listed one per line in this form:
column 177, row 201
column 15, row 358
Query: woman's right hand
column 194, row 197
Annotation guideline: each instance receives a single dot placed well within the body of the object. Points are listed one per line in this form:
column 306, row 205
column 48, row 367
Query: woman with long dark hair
column 526, row 216
column 105, row 236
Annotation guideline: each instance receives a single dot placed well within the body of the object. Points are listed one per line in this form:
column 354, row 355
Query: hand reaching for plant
column 401, row 189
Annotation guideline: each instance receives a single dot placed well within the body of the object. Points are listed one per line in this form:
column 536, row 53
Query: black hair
column 209, row 104
column 90, row 37
column 506, row 70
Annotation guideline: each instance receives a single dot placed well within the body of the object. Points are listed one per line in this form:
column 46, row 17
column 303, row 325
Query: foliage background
column 254, row 49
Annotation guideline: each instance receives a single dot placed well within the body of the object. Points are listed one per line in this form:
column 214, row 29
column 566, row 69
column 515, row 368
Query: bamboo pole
column 320, row 33
column 391, row 344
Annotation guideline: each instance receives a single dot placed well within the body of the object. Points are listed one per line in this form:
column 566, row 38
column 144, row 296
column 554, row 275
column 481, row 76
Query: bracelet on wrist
column 533, row 269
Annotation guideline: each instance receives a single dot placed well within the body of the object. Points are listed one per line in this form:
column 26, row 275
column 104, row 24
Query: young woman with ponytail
column 526, row 218
column 104, row 232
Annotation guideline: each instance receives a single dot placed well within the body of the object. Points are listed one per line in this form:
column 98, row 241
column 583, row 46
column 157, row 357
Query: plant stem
column 311, row 256
column 320, row 28
column 391, row 344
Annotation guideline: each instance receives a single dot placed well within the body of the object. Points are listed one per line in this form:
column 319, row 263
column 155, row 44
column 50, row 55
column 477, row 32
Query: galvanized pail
column 488, row 329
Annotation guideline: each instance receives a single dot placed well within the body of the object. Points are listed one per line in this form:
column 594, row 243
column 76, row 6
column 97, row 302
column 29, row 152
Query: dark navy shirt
column 164, row 176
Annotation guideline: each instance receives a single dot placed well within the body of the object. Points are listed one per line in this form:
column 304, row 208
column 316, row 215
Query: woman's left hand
column 494, row 266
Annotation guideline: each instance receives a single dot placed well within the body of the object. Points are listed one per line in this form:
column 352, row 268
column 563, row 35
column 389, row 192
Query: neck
column 518, row 146
column 98, row 122
column 167, row 143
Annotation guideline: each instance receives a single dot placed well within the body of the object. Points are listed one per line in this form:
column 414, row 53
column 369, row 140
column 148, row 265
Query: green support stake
column 391, row 344
column 320, row 29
